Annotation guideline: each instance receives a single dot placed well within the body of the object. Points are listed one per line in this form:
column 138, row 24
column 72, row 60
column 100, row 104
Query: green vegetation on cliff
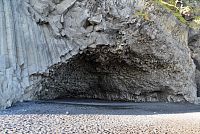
column 188, row 13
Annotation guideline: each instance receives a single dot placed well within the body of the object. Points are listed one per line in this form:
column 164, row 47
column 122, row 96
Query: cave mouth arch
column 84, row 77
column 103, row 74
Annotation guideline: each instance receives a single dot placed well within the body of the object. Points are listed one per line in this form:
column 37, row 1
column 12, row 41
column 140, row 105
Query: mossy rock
column 185, row 15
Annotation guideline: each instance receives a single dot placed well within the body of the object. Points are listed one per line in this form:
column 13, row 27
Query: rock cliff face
column 106, row 49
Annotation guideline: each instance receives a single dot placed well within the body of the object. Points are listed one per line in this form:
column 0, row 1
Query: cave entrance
column 91, row 75
column 81, row 77
column 101, row 75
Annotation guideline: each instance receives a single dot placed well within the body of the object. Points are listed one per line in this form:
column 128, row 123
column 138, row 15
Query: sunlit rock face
column 107, row 49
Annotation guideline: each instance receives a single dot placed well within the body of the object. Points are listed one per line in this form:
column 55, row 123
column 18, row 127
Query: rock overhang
column 104, row 49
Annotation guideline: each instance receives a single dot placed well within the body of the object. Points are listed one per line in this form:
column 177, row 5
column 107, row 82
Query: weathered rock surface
column 194, row 44
column 116, row 49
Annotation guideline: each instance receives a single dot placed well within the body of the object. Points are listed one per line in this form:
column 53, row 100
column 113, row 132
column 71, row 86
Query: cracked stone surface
column 93, row 49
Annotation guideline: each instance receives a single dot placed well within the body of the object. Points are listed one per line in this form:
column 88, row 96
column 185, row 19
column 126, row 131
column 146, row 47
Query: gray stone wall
column 116, row 49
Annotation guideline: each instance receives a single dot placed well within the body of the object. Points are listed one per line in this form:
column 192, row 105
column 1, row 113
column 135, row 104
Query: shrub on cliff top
column 185, row 14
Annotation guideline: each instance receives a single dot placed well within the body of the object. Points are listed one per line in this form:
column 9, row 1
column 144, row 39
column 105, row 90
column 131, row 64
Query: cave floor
column 95, row 116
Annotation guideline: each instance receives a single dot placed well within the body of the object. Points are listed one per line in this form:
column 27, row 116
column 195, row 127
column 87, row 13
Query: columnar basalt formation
column 107, row 49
